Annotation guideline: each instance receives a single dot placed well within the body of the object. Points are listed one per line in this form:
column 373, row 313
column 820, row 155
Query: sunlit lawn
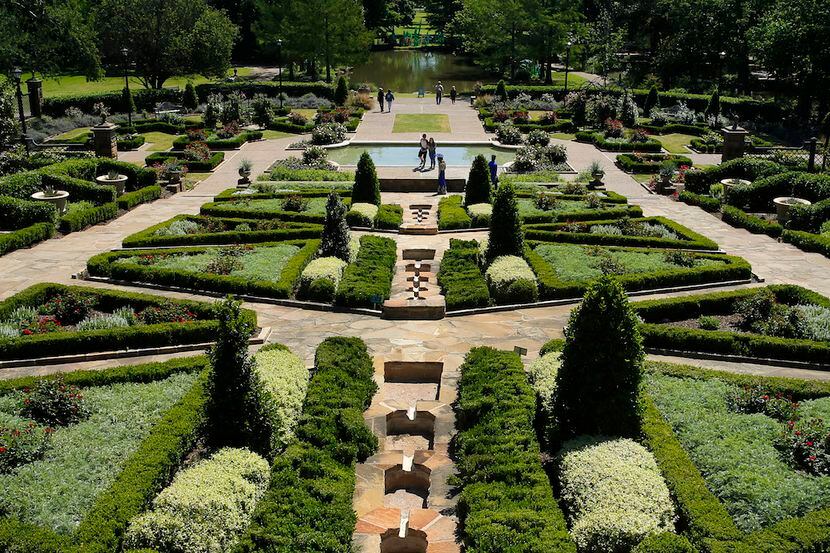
column 675, row 142
column 563, row 136
column 70, row 85
column 74, row 133
column 419, row 122
column 308, row 113
column 159, row 141
column 270, row 135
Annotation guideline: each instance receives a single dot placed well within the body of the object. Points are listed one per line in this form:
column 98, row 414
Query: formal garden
column 248, row 306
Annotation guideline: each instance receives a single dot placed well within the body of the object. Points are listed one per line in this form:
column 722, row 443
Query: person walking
column 442, row 175
column 453, row 94
column 439, row 93
column 494, row 171
column 381, row 97
column 431, row 148
column 389, row 99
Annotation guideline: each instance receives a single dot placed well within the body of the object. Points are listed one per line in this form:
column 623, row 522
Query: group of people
column 388, row 97
column 439, row 93
column 385, row 99
column 427, row 147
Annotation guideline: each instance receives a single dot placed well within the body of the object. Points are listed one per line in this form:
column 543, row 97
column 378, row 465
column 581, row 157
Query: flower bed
column 650, row 163
column 55, row 319
column 505, row 494
column 269, row 269
column 191, row 230
column 214, row 142
column 313, row 481
column 618, row 144
column 143, row 420
column 199, row 166
column 565, row 270
column 754, row 322
column 460, row 278
column 647, row 232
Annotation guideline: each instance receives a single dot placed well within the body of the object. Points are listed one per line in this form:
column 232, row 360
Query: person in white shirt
column 439, row 92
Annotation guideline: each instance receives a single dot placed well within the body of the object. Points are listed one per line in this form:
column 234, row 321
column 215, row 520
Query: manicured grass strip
column 460, row 277
column 107, row 265
column 370, row 276
column 423, row 123
column 657, row 335
column 675, row 143
column 506, row 502
column 66, row 343
column 159, row 141
column 308, row 506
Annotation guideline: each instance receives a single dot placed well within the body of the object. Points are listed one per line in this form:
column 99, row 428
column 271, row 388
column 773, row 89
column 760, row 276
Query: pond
column 404, row 155
column 410, row 70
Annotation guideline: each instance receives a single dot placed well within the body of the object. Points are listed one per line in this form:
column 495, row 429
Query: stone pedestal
column 734, row 143
column 105, row 141
column 35, row 89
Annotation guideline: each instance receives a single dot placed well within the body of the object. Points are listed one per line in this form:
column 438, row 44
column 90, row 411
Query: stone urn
column 784, row 204
column 115, row 179
column 597, row 182
column 729, row 184
column 174, row 176
column 58, row 198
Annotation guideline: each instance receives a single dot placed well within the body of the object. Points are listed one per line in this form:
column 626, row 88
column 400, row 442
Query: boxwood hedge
column 148, row 238
column 370, row 276
column 657, row 334
column 649, row 163
column 452, row 215
column 562, row 232
column 460, row 277
column 215, row 143
column 706, row 203
column 308, row 506
column 506, row 501
column 599, row 140
column 26, row 236
column 752, row 223
column 203, row 329
column 698, row 181
column 103, row 265
column 807, row 241
column 196, row 166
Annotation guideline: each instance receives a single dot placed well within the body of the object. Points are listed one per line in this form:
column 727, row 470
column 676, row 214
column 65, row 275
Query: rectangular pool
column 404, row 155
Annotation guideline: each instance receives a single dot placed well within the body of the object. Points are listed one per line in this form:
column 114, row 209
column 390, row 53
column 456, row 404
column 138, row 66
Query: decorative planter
column 174, row 177
column 783, row 206
column 679, row 187
column 597, row 182
column 729, row 184
column 118, row 181
column 57, row 198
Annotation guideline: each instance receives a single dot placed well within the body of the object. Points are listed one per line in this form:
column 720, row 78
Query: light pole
column 567, row 65
column 125, row 53
column 17, row 75
column 279, row 63
column 722, row 57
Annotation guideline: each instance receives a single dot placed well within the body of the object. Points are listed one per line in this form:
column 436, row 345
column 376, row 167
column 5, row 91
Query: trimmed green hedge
column 103, row 265
column 701, row 147
column 66, row 343
column 599, row 140
column 755, row 225
column 610, row 211
column 390, row 216
column 809, row 242
column 809, row 218
column 147, row 238
column 16, row 213
column 26, row 237
column 216, row 143
column 759, row 195
column 706, row 203
column 551, row 287
column 680, row 128
column 194, row 166
column 145, row 100
column 452, row 215
column 559, row 232
column 506, row 503
column 656, row 334
column 131, row 199
column 308, row 505
column 460, row 277
column 699, row 181
column 649, row 163
column 132, row 143
column 371, row 273
column 79, row 220
column 238, row 210
column 269, row 88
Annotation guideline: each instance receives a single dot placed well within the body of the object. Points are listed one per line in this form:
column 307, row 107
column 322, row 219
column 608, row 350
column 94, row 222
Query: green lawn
column 417, row 122
column 74, row 133
column 675, row 142
column 563, row 136
column 159, row 141
column 71, row 85
column 271, row 135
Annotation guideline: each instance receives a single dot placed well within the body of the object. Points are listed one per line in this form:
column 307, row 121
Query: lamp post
column 567, row 65
column 722, row 57
column 17, row 75
column 125, row 53
column 279, row 63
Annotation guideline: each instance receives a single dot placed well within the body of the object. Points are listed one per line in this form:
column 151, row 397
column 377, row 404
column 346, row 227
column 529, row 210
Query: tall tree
column 167, row 37
column 496, row 31
column 8, row 113
column 243, row 14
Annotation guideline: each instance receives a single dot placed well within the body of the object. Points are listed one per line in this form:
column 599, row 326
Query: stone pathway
column 464, row 123
column 402, row 497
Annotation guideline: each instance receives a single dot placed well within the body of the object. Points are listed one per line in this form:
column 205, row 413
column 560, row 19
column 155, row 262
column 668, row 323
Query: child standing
column 431, row 148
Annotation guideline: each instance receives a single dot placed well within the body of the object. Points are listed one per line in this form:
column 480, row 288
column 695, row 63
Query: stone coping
column 259, row 339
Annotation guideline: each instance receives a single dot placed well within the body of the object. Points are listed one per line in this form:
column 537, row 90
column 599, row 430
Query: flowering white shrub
column 365, row 213
column 354, row 248
column 328, row 133
column 330, row 268
column 511, row 279
column 543, row 379
column 178, row 228
column 508, row 133
column 285, row 379
column 480, row 214
column 205, row 508
column 614, row 493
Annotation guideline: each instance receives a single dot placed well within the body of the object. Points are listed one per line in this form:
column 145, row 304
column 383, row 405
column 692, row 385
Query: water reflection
column 410, row 70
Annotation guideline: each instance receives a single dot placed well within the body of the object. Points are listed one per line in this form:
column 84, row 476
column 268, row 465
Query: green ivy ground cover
column 85, row 458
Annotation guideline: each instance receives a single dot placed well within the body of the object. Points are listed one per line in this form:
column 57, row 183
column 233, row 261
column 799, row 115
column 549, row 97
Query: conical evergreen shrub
column 189, row 99
column 599, row 380
column 366, row 185
column 652, row 100
column 501, row 91
column 506, row 234
column 341, row 93
column 335, row 239
column 127, row 100
column 479, row 188
column 713, row 107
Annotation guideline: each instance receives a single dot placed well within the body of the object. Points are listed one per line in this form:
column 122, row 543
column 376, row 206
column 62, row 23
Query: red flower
column 809, row 443
column 27, row 332
column 812, row 457
column 798, row 432
column 2, row 449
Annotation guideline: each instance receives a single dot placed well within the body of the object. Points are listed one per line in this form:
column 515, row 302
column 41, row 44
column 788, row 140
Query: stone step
column 431, row 308
column 420, row 184
column 419, row 229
